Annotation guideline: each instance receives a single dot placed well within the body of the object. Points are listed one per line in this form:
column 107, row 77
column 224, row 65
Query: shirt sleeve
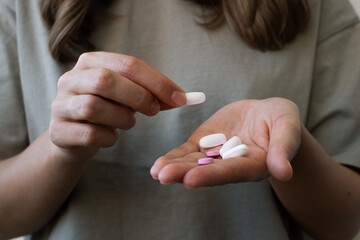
column 334, row 109
column 13, row 130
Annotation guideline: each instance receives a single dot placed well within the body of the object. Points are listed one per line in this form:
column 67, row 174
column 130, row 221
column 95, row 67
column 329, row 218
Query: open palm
column 270, row 128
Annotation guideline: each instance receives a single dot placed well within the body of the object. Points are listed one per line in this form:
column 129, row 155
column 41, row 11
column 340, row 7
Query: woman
column 76, row 162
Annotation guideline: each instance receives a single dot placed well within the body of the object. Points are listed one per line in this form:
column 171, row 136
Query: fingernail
column 132, row 122
column 155, row 107
column 116, row 133
column 178, row 98
column 153, row 172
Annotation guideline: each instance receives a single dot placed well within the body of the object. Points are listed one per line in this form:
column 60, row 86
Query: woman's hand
column 102, row 93
column 271, row 128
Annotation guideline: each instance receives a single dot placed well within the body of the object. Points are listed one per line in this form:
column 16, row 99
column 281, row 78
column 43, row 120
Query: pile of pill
column 230, row 148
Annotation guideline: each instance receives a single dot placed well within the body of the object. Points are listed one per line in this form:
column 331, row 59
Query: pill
column 212, row 140
column 232, row 142
column 194, row 98
column 207, row 160
column 213, row 153
column 237, row 151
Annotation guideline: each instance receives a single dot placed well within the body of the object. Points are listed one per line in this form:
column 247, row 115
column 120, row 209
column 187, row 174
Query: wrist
column 75, row 156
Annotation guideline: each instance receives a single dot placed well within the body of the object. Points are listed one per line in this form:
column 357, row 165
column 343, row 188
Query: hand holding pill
column 262, row 137
column 101, row 94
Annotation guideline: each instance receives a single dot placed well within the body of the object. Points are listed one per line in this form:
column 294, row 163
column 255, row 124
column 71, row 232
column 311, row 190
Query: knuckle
column 56, row 106
column 159, row 84
column 141, row 100
column 88, row 108
column 53, row 132
column 88, row 135
column 63, row 80
column 103, row 81
column 131, row 66
column 84, row 57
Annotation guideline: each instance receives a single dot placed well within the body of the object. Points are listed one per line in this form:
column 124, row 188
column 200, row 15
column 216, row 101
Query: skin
column 89, row 108
column 322, row 195
column 99, row 95
column 89, row 103
column 252, row 125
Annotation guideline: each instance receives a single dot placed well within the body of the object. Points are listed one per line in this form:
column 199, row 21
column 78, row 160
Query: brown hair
column 71, row 23
column 262, row 24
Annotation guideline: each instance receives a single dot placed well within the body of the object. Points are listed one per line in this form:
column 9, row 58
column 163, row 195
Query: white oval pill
column 194, row 98
column 212, row 140
column 232, row 142
column 237, row 151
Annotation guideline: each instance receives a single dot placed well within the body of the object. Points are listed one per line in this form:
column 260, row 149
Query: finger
column 137, row 71
column 109, row 85
column 283, row 145
column 181, row 151
column 232, row 170
column 74, row 134
column 186, row 169
column 173, row 170
column 94, row 109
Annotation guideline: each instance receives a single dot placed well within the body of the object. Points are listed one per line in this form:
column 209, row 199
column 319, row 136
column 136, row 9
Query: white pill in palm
column 232, row 142
column 194, row 98
column 237, row 151
column 212, row 140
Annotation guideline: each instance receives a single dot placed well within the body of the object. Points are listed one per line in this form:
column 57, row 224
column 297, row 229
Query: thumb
column 285, row 139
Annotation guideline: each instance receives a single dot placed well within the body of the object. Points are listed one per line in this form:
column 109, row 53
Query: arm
column 33, row 185
column 319, row 193
column 323, row 195
column 101, row 94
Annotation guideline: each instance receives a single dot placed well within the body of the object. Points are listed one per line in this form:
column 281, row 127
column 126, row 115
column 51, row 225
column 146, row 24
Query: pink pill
column 213, row 153
column 207, row 160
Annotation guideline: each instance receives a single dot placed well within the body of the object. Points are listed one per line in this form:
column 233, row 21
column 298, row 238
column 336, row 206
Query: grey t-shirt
column 116, row 198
